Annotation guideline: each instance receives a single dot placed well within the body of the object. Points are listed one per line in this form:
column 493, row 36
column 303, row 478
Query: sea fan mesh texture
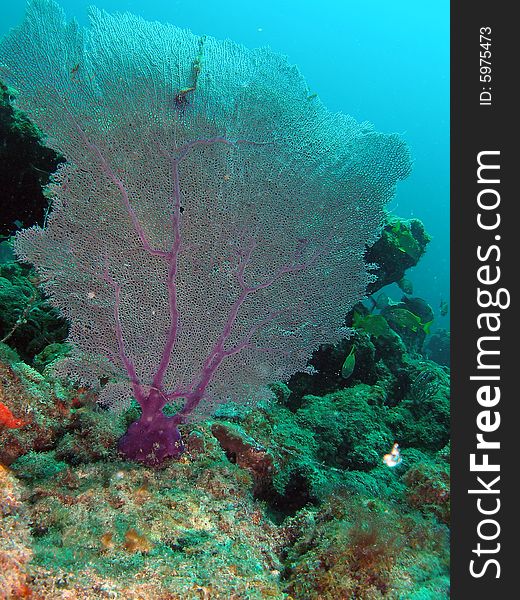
column 286, row 181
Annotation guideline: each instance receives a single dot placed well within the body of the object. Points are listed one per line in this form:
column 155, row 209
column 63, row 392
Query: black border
column 476, row 128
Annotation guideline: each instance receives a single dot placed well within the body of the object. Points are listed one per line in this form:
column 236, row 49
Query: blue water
column 384, row 62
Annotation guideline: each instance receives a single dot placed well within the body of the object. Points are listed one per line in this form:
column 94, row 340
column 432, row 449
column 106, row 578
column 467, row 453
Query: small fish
column 427, row 326
column 405, row 318
column 350, row 362
column 6, row 252
column 382, row 301
column 405, row 241
column 443, row 308
column 406, row 285
column 394, row 457
column 375, row 325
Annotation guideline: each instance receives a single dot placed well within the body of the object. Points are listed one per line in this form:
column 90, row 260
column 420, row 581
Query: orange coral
column 7, row 419
column 107, row 541
column 135, row 542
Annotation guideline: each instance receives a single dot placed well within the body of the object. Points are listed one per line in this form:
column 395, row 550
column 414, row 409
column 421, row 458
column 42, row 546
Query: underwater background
column 337, row 486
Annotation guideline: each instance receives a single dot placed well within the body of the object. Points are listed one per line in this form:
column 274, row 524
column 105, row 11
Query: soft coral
column 7, row 419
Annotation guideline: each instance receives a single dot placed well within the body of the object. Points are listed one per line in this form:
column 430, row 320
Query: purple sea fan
column 209, row 225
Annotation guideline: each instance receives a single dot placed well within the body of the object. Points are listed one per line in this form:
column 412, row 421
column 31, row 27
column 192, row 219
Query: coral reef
column 364, row 548
column 283, row 500
column 149, row 186
column 203, row 524
column 114, row 528
column 27, row 322
column 438, row 347
column 400, row 247
column 15, row 539
column 288, row 499
column 25, row 166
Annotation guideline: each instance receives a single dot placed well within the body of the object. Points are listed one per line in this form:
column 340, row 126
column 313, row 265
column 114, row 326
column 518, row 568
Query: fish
column 443, row 308
column 405, row 285
column 382, row 301
column 427, row 326
column 349, row 365
column 405, row 241
column 6, row 252
column 407, row 319
column 394, row 457
column 375, row 325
